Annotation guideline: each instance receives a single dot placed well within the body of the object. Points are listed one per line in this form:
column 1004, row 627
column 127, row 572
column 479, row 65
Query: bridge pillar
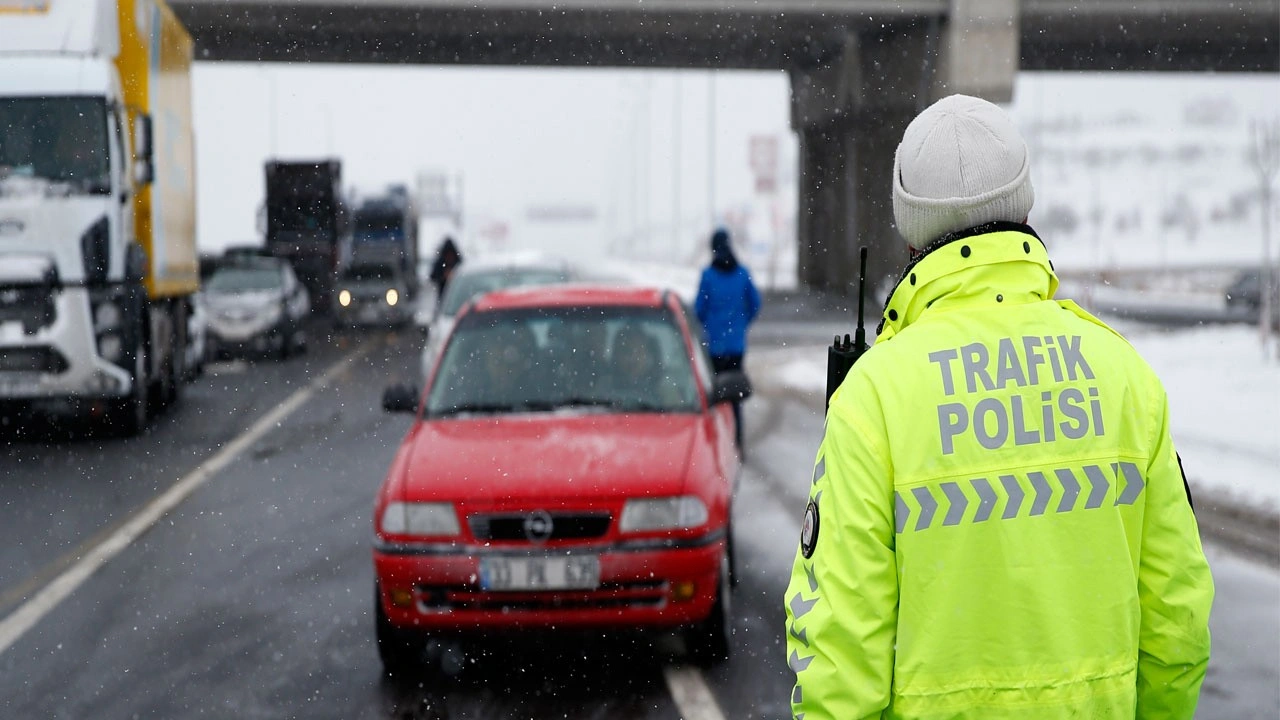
column 846, row 168
column 850, row 108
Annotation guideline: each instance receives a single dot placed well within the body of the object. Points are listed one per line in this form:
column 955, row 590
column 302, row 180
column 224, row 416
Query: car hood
column 548, row 457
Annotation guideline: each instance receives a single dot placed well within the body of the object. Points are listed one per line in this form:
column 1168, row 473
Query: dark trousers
column 725, row 363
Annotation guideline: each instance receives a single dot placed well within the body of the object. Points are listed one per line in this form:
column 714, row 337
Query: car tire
column 286, row 344
column 402, row 651
column 707, row 643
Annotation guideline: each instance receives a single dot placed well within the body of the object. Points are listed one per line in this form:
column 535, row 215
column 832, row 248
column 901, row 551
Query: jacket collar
column 996, row 263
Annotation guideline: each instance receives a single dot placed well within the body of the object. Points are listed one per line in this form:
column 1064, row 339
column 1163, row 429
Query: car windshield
column 379, row 224
column 240, row 280
column 609, row 358
column 469, row 285
column 369, row 273
column 63, row 139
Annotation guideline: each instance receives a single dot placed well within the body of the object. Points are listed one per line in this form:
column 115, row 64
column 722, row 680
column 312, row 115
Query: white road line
column 693, row 697
column 25, row 617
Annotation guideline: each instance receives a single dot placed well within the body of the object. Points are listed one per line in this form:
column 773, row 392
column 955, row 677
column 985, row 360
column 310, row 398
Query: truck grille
column 564, row 526
column 32, row 360
column 31, row 305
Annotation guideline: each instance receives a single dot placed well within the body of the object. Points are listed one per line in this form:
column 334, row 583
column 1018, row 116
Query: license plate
column 572, row 572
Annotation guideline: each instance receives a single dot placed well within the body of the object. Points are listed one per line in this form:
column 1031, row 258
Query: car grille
column 32, row 359
column 564, row 526
column 31, row 305
column 608, row 595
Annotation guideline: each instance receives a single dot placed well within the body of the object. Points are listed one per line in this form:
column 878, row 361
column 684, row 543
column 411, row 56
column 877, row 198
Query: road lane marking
column 693, row 697
column 28, row 614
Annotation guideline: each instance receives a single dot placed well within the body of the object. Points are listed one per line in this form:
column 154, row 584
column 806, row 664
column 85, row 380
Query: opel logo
column 537, row 526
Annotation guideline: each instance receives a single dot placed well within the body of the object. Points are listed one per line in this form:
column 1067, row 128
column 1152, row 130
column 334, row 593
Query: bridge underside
column 1050, row 38
column 859, row 70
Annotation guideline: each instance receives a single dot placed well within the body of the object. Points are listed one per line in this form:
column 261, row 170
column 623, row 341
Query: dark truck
column 307, row 222
column 385, row 234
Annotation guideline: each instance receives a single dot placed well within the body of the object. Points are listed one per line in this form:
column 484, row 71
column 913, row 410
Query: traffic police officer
column 998, row 525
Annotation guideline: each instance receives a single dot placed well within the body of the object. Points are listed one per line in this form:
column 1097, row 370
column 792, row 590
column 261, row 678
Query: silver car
column 255, row 304
column 475, row 278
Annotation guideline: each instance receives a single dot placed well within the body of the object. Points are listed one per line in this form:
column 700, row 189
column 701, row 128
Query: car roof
column 570, row 295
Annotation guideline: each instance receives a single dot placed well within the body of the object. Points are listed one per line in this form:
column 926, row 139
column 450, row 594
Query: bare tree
column 1266, row 160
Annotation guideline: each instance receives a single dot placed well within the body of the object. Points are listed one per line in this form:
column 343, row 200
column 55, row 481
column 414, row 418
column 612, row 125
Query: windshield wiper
column 477, row 408
column 584, row 402
column 639, row 406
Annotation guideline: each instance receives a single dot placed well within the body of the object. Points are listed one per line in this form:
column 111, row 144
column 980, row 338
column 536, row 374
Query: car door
column 718, row 419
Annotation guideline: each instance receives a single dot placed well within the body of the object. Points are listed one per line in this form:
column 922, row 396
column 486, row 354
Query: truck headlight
column 640, row 515
column 344, row 298
column 438, row 519
column 106, row 316
column 110, row 347
column 393, row 297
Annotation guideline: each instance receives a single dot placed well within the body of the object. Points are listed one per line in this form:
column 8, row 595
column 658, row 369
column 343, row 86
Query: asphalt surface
column 253, row 597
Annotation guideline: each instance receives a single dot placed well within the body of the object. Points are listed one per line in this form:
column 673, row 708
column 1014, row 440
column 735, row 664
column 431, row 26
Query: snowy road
column 253, row 596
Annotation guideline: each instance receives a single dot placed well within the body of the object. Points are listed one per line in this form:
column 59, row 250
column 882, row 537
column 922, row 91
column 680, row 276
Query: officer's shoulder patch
column 809, row 530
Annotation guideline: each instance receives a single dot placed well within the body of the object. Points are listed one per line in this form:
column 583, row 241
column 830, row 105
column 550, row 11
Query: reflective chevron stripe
column 953, row 498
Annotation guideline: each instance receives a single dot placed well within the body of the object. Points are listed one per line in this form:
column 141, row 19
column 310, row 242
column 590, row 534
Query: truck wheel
column 128, row 416
column 177, row 374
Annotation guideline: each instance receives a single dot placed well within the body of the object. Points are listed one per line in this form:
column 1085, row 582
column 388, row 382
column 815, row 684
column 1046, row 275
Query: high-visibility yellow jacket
column 998, row 524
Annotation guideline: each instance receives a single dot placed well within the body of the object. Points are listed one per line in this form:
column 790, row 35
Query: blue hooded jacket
column 727, row 300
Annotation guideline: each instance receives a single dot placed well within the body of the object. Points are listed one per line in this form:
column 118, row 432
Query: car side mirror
column 400, row 398
column 730, row 386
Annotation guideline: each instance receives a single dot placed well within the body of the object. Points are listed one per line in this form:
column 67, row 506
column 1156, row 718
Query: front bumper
column 643, row 585
column 69, row 338
column 372, row 311
column 230, row 339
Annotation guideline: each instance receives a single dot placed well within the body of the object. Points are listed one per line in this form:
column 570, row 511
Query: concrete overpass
column 860, row 69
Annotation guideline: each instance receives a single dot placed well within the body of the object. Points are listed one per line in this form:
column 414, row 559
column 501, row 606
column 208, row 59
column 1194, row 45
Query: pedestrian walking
column 727, row 303
column 998, row 525
column 448, row 257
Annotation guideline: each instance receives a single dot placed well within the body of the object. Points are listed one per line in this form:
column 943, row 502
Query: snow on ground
column 1224, row 400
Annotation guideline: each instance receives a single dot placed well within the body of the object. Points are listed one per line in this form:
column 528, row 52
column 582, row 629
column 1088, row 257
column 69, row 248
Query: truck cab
column 92, row 291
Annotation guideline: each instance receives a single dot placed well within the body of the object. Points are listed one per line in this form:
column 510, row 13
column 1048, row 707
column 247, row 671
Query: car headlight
column 393, row 297
column 685, row 511
column 272, row 313
column 419, row 519
column 344, row 298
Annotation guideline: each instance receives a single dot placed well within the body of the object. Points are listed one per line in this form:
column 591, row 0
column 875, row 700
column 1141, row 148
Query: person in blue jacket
column 727, row 303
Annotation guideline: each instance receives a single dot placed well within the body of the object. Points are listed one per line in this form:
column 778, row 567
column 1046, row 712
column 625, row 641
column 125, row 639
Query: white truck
column 98, row 263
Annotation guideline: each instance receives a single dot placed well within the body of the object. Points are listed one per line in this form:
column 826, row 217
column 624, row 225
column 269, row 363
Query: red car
column 572, row 465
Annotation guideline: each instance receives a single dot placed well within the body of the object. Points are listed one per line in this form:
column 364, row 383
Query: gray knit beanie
column 961, row 163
